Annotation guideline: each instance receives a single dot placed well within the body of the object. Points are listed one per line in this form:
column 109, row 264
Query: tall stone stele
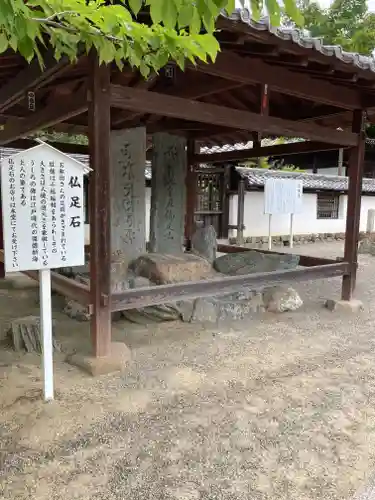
column 128, row 208
column 168, row 194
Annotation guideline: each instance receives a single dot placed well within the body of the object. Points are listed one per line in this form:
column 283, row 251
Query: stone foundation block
column 353, row 306
column 117, row 361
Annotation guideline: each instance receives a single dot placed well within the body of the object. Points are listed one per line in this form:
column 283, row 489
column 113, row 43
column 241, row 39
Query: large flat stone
column 163, row 268
column 250, row 261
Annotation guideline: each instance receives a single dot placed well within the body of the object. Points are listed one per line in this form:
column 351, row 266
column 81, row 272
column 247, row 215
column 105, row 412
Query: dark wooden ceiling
column 247, row 50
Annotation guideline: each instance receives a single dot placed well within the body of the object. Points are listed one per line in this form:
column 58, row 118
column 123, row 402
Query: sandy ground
column 279, row 408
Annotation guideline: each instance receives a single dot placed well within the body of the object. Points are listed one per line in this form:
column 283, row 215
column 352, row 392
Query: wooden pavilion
column 265, row 82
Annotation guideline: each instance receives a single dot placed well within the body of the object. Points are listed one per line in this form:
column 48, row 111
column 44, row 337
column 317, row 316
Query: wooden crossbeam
column 249, row 71
column 177, row 107
column 47, row 117
column 31, row 78
column 260, row 152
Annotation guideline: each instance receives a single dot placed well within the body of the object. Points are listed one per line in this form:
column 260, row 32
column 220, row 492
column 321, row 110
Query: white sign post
column 43, row 224
column 282, row 196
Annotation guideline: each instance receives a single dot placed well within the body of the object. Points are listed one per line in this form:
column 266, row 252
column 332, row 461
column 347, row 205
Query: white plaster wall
column 256, row 221
column 306, row 222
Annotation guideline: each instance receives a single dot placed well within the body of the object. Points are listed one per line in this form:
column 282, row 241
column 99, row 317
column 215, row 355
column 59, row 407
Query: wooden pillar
column 100, row 252
column 263, row 110
column 240, row 211
column 225, row 202
column 355, row 167
column 191, row 194
column 2, row 266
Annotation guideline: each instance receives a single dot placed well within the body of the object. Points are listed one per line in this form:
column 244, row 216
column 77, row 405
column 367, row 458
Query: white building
column 324, row 205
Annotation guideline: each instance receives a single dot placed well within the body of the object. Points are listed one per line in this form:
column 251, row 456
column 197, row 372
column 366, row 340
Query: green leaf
column 3, row 43
column 156, row 11
column 135, row 6
column 169, row 14
column 185, row 15
column 210, row 45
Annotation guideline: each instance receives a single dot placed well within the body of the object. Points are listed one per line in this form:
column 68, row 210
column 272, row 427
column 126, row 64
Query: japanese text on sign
column 42, row 210
column 283, row 196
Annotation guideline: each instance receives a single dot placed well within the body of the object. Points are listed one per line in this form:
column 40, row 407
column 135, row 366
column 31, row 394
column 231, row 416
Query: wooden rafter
column 47, row 117
column 176, row 107
column 248, row 71
column 31, row 78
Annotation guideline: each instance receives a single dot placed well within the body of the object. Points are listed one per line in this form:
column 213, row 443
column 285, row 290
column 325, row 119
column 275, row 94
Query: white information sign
column 43, row 224
column 283, row 196
column 42, row 204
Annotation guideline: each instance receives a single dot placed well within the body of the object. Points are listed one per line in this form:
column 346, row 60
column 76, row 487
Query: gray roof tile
column 256, row 177
column 304, row 40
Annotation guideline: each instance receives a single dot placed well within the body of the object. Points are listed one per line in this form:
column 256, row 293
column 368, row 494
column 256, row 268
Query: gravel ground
column 280, row 408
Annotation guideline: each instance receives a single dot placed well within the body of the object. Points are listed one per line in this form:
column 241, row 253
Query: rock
column 251, row 261
column 152, row 314
column 281, row 299
column 76, row 311
column 232, row 307
column 367, row 246
column 204, row 243
column 163, row 268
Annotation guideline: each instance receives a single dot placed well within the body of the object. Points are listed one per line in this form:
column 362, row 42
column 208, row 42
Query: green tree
column 145, row 33
column 346, row 22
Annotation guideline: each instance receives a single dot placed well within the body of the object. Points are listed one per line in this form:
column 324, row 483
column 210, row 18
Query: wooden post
column 2, row 267
column 225, row 202
column 191, row 194
column 240, row 211
column 355, row 168
column 99, row 191
column 340, row 163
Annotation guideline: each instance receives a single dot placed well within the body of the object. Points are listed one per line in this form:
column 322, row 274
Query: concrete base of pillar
column 117, row 361
column 351, row 306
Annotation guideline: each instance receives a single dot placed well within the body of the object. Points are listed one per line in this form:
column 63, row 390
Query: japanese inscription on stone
column 42, row 210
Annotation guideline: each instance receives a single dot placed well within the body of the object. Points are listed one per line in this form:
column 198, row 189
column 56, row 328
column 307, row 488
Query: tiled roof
column 302, row 39
column 239, row 146
column 257, row 177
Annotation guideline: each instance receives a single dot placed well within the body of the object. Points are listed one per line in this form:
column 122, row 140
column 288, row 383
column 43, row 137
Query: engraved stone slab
column 167, row 215
column 128, row 192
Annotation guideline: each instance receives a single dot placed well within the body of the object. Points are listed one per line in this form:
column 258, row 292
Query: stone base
column 353, row 306
column 116, row 362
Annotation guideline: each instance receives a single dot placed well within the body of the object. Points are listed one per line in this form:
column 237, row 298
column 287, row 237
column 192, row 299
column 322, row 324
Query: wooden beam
column 250, row 71
column 99, row 204
column 162, row 294
column 31, row 78
column 277, row 150
column 47, row 117
column 164, row 105
column 353, row 214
